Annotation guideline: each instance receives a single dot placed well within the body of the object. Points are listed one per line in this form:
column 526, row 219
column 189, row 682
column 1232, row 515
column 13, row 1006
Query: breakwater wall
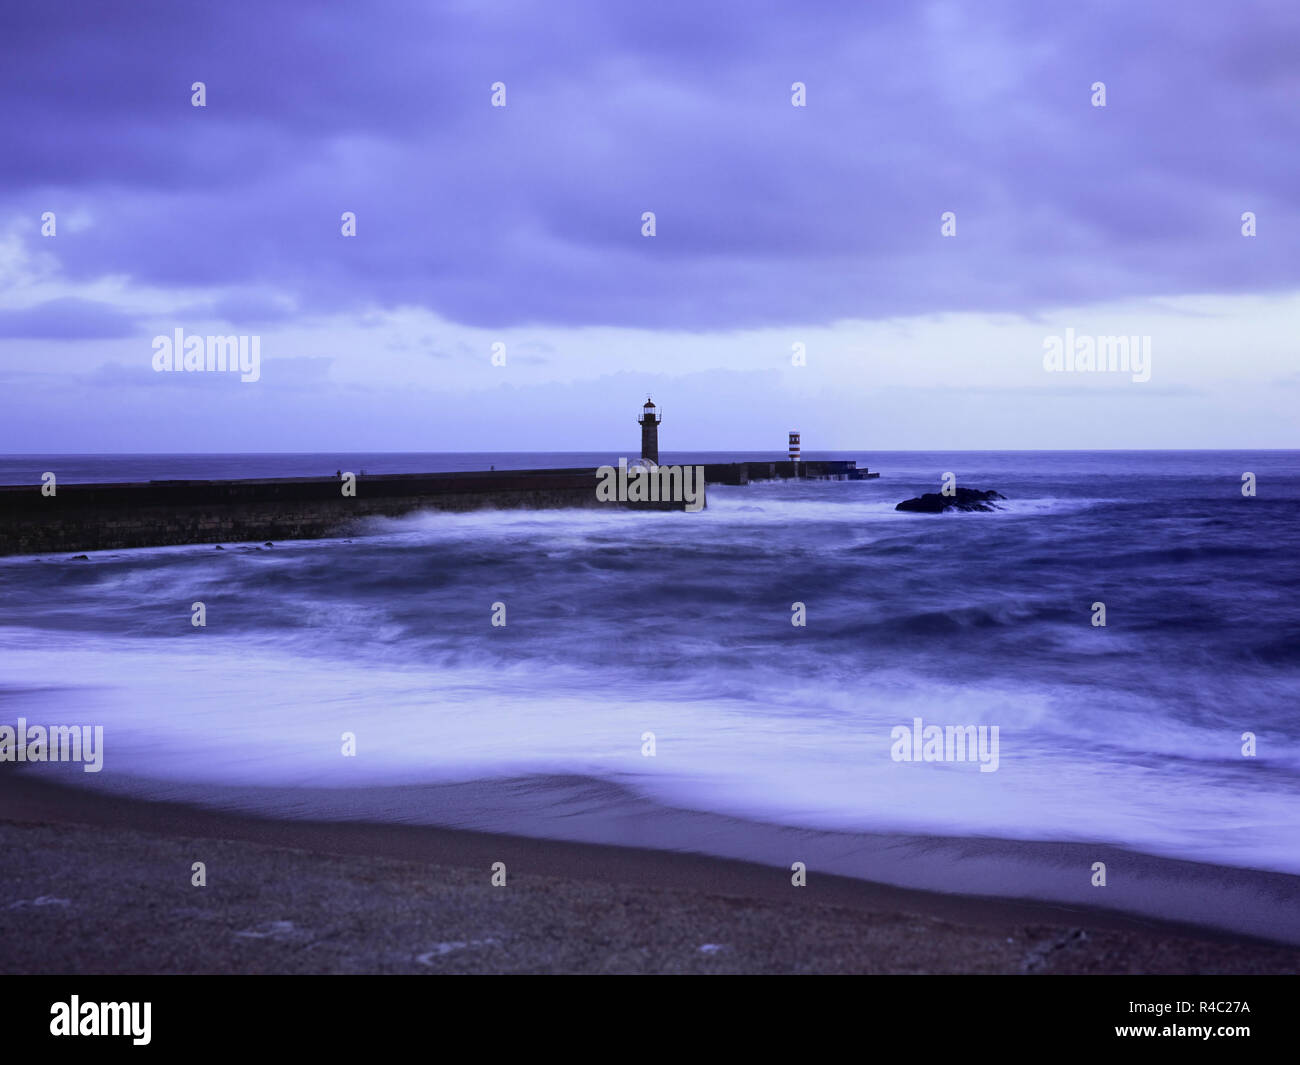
column 101, row 517
column 810, row 469
column 98, row 517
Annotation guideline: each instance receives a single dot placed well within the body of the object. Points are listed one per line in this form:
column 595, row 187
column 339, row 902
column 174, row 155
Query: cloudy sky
column 778, row 228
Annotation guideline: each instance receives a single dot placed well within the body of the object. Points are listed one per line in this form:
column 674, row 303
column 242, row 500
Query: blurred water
column 679, row 624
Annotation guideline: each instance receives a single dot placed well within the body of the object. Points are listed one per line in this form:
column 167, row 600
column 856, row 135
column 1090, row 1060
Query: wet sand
column 94, row 883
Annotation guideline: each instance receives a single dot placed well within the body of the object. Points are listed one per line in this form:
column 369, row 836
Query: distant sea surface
column 623, row 624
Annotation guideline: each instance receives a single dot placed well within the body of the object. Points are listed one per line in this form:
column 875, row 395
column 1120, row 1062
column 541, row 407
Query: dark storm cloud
column 766, row 213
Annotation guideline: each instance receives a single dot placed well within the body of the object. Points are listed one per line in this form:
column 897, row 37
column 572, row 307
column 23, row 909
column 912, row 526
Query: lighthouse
column 649, row 422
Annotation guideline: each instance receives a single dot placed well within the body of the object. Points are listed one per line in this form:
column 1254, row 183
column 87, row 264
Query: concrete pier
column 785, row 469
column 98, row 517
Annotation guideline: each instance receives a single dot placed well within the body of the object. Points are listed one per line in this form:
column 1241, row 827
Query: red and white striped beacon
column 794, row 447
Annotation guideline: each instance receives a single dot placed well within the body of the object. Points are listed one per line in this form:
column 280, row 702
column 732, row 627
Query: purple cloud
column 766, row 213
column 66, row 319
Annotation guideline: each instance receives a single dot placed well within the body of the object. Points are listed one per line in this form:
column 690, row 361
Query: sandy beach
column 102, row 884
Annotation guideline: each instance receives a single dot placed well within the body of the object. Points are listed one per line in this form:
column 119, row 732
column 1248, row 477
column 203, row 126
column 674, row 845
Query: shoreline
column 558, row 810
column 848, row 924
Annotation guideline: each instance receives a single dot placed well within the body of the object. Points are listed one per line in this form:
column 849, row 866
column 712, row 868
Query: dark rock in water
column 268, row 544
column 220, row 548
column 965, row 499
column 80, row 558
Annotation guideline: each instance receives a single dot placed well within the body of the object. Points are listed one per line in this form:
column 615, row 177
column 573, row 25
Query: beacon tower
column 649, row 422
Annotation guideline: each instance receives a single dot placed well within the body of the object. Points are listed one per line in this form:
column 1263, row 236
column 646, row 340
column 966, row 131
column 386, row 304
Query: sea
column 645, row 682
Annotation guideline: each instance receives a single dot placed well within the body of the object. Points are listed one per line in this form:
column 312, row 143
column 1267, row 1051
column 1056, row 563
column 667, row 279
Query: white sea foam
column 213, row 713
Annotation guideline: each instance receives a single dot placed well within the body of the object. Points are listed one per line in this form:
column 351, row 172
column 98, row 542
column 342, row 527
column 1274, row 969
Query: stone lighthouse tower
column 649, row 422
